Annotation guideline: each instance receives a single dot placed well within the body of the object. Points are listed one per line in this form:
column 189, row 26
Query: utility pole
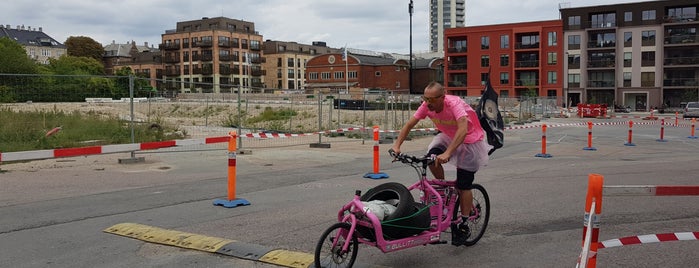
column 410, row 71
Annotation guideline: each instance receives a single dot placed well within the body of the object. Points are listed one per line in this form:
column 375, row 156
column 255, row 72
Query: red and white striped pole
column 376, row 174
column 662, row 131
column 593, row 212
column 629, row 143
column 589, row 138
column 232, row 201
column 543, row 143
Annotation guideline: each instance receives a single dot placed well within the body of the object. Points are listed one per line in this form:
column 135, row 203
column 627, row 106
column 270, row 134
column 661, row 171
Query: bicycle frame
column 441, row 207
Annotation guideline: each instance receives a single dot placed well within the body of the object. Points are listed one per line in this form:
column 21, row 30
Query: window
column 573, row 80
column 627, row 59
column 325, row 76
column 504, row 78
column 627, row 79
column 627, row 39
column 504, row 41
column 485, row 61
column 553, row 39
column 628, row 16
column 552, row 58
column 573, row 42
column 648, row 79
column 603, row 20
column 313, row 76
column 339, row 75
column 290, row 73
column 574, row 21
column 485, row 42
column 289, row 62
column 504, row 60
column 648, row 38
column 352, row 74
column 648, row 58
column 552, row 78
column 484, row 77
column 377, row 73
column 648, row 15
column 574, row 61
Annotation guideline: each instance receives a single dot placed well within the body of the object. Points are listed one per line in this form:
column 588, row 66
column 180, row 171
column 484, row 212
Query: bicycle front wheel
column 481, row 214
column 329, row 251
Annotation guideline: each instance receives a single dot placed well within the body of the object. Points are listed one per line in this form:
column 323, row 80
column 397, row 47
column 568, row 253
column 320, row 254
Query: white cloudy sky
column 379, row 25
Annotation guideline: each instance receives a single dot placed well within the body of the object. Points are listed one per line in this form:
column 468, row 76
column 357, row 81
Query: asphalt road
column 55, row 217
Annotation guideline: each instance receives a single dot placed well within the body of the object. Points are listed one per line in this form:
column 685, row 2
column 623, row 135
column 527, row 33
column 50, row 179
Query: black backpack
column 490, row 117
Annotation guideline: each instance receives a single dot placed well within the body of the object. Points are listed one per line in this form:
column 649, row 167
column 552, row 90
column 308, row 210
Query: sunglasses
column 431, row 99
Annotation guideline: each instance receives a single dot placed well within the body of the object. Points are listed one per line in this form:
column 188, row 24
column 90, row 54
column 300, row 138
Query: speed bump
column 288, row 258
column 168, row 237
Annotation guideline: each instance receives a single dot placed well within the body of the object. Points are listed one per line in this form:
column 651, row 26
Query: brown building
column 369, row 70
column 145, row 62
column 286, row 63
column 213, row 55
column 642, row 55
column 523, row 59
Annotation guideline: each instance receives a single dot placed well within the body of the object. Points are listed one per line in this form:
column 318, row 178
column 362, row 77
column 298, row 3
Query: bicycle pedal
column 439, row 242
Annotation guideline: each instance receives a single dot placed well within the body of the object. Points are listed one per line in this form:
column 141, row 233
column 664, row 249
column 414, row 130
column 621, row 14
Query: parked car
column 691, row 110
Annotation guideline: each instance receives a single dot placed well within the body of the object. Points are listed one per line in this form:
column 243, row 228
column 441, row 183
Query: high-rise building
column 444, row 14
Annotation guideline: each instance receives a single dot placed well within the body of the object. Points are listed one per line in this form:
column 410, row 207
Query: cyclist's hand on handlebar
column 442, row 158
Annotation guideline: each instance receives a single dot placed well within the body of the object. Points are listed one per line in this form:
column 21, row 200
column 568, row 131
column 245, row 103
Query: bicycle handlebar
column 412, row 160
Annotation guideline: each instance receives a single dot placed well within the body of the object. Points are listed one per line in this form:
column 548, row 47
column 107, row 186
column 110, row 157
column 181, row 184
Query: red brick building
column 522, row 59
column 380, row 71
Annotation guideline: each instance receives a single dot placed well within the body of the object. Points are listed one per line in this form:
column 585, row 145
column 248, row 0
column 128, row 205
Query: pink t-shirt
column 445, row 121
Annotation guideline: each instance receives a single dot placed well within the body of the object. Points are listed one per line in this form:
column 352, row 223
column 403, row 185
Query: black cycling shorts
column 464, row 178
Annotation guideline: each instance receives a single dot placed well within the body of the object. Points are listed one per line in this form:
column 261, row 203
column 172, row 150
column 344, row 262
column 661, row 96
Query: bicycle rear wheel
column 479, row 222
column 329, row 251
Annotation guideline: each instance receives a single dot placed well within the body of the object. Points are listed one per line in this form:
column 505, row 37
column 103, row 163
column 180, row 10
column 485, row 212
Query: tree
column 67, row 65
column 14, row 59
column 83, row 46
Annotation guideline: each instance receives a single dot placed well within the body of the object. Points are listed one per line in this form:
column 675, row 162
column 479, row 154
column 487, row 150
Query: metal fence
column 248, row 110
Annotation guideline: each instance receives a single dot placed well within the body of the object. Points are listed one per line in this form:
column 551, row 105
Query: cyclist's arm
column 404, row 133
column 461, row 131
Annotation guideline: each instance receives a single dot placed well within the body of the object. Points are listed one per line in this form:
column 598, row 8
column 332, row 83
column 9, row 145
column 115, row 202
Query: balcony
column 225, row 58
column 681, row 82
column 520, row 45
column 457, row 66
column 171, row 59
column 258, row 72
column 225, row 71
column 526, row 82
column 457, row 50
column 207, row 57
column 224, row 44
column 172, row 72
column 602, row 25
column 601, row 44
column 681, row 61
column 682, row 39
column 206, row 43
column 258, row 60
column 456, row 84
column 207, row 71
column 681, row 19
column 600, row 83
column 527, row 64
column 169, row 46
column 604, row 63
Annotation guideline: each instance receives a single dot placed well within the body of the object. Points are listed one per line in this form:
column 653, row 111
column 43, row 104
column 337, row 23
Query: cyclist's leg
column 464, row 183
column 436, row 170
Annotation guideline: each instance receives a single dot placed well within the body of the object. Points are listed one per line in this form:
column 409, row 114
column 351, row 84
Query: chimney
column 40, row 30
column 145, row 44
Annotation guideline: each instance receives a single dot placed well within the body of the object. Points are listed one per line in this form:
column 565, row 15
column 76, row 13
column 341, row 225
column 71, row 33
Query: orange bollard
column 662, row 131
column 589, row 138
column 376, row 174
column 629, row 143
column 694, row 120
column 232, row 201
column 588, row 256
column 677, row 118
column 543, row 143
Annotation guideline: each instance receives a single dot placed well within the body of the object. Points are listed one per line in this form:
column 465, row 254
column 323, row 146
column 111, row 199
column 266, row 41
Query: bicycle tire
column 481, row 201
column 333, row 255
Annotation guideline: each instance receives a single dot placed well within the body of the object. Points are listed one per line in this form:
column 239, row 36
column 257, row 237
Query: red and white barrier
column 646, row 239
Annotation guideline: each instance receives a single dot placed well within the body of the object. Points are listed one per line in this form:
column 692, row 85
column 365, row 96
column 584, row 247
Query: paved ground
column 55, row 211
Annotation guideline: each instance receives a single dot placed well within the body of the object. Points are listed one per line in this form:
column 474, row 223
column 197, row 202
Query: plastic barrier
column 232, row 201
column 376, row 174
column 630, row 143
column 543, row 143
column 589, row 138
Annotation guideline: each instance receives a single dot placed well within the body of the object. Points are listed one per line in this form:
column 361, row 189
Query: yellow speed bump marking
column 168, row 237
column 288, row 258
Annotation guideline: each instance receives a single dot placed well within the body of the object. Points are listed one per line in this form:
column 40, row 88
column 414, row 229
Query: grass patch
column 24, row 131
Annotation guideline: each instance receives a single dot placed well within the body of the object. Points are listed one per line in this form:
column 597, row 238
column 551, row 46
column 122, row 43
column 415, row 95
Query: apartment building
column 522, row 59
column 643, row 54
column 286, row 62
column 213, row 55
column 39, row 45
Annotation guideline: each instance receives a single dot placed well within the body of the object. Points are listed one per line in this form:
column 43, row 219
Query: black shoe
column 460, row 234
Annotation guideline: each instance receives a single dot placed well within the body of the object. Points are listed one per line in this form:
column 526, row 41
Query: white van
column 691, row 110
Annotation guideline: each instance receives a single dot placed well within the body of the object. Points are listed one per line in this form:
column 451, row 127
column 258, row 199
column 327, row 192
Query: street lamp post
column 410, row 83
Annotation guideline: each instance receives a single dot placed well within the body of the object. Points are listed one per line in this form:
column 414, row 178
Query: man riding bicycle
column 461, row 140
